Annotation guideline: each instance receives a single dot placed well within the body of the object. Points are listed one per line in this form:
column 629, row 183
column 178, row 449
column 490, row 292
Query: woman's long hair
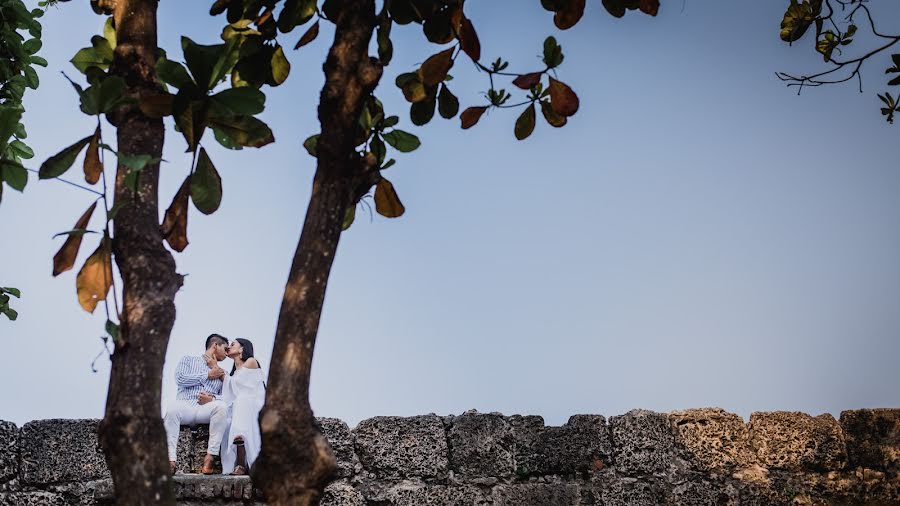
column 246, row 354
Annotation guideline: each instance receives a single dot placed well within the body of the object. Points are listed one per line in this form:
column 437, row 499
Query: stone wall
column 693, row 457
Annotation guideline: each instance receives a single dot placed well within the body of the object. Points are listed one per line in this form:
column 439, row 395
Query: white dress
column 244, row 393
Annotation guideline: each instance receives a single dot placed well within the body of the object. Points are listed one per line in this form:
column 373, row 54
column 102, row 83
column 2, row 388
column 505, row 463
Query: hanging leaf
column 206, row 185
column 310, row 144
column 385, row 46
column 349, row 216
column 797, row 19
column 309, row 36
column 59, row 163
column 448, row 104
column 95, row 277
column 420, row 113
column 93, row 169
column 387, row 203
column 245, row 100
column 191, row 117
column 65, row 257
column 550, row 115
column 435, row 68
column 157, row 106
column 295, row 13
column 569, row 14
column 528, row 81
column 244, row 131
column 174, row 74
column 470, row 116
column 553, row 56
column 404, row 142
column 280, row 66
column 110, row 93
column 14, row 174
column 468, row 39
column 174, row 225
column 525, row 123
column 562, row 98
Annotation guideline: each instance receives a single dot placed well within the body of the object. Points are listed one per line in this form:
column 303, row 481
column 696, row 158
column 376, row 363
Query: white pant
column 179, row 413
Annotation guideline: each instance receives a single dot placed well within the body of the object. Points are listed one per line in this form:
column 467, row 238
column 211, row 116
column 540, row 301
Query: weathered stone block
column 32, row 499
column 794, row 441
column 582, row 444
column 537, row 494
column 192, row 449
column 60, row 450
column 397, row 447
column 198, row 486
column 481, row 446
column 341, row 493
column 712, row 439
column 704, row 493
column 9, row 460
column 86, row 493
column 341, row 440
column 418, row 493
column 643, row 442
column 610, row 489
column 873, row 438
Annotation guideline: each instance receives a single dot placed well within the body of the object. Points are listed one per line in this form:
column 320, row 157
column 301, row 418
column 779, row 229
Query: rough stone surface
column 537, row 494
column 9, row 460
column 32, row 499
column 610, row 489
column 198, row 486
column 581, row 445
column 705, row 493
column 873, row 438
column 712, row 439
column 341, row 440
column 419, row 493
column 86, row 493
column 60, row 450
column 192, row 449
column 481, row 445
column 341, row 493
column 795, row 441
column 397, row 447
column 643, row 442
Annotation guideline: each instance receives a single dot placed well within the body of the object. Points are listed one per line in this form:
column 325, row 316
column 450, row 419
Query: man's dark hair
column 215, row 339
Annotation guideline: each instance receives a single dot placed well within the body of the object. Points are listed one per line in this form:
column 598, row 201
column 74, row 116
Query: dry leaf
column 174, row 225
column 64, row 259
column 95, row 277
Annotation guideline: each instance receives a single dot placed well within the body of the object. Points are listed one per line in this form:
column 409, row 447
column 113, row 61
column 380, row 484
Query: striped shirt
column 192, row 377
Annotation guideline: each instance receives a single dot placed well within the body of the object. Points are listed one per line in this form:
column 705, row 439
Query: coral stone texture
column 642, row 458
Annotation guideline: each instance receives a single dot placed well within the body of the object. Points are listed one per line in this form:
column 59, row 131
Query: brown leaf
column 157, row 106
column 64, row 259
column 387, row 203
column 95, row 277
column 435, row 68
column 650, row 7
column 569, row 15
column 309, row 36
column 528, row 81
column 562, row 98
column 550, row 115
column 174, row 225
column 468, row 39
column 471, row 116
column 93, row 169
column 525, row 123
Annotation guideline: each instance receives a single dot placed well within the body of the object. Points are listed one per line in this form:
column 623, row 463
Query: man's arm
column 187, row 376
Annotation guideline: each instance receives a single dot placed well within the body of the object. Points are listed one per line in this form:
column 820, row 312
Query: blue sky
column 698, row 235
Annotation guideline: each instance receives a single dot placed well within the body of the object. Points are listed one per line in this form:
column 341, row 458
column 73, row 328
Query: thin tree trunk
column 132, row 432
column 296, row 462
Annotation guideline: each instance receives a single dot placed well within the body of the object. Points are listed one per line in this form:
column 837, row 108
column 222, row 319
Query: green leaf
column 11, row 314
column 553, row 56
column 378, row 149
column 31, row 78
column 245, row 100
column 59, row 163
column 109, row 32
column 112, row 329
column 206, row 185
column 797, row 19
column 32, row 46
column 174, row 74
column 136, row 162
column 385, row 46
column 420, row 113
column 244, row 130
column 310, row 144
column 209, row 64
column 349, row 216
column 110, row 93
column 404, row 142
column 525, row 123
column 12, row 291
column 14, row 174
column 280, row 66
column 21, row 149
column 448, row 104
column 295, row 13
column 37, row 60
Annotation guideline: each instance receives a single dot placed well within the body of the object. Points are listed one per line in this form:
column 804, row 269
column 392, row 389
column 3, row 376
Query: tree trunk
column 132, row 433
column 296, row 462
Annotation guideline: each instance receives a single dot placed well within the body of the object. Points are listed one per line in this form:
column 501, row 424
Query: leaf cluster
column 5, row 293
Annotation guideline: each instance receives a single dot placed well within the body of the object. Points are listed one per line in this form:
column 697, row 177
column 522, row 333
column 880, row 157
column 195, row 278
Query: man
column 199, row 380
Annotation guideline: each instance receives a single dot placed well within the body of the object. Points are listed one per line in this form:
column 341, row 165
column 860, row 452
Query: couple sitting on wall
column 228, row 402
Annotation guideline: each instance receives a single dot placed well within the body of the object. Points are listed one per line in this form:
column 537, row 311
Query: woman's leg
column 241, row 459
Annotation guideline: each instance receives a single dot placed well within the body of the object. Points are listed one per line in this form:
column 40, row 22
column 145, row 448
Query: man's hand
column 210, row 360
column 204, row 397
column 215, row 373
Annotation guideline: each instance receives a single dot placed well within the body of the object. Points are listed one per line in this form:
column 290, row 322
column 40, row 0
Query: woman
column 244, row 392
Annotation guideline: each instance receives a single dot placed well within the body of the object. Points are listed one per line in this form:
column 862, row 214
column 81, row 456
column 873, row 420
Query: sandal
column 238, row 471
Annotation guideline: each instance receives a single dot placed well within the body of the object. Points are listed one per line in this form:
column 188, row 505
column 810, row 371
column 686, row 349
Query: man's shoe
column 208, row 465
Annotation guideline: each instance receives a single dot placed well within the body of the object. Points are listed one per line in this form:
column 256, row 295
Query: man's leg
column 176, row 413
column 216, row 414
